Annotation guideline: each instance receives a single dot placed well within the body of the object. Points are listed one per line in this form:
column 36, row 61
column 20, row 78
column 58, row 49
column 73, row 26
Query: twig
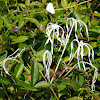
column 66, row 7
column 88, row 90
column 74, row 5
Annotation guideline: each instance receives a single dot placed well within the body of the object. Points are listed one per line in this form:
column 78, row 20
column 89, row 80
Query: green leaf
column 40, row 66
column 3, row 54
column 61, row 81
column 80, row 79
column 19, row 39
column 64, row 3
column 2, row 93
column 6, row 21
column 42, row 84
column 1, row 23
column 19, row 69
column 21, row 23
column 34, row 73
column 36, row 22
column 75, row 98
column 36, row 3
column 65, row 59
column 27, row 69
column 98, row 77
column 96, row 13
column 94, row 22
column 39, row 55
column 74, row 86
column 4, row 80
column 53, row 98
column 25, row 85
column 27, row 2
column 95, row 29
column 44, row 1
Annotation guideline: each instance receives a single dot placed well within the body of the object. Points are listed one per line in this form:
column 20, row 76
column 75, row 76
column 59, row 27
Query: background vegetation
column 23, row 24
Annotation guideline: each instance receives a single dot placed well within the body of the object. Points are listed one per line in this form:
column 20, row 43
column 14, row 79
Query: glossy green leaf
column 27, row 2
column 53, row 98
column 95, row 29
column 2, row 93
column 34, row 73
column 4, row 81
column 3, row 54
column 75, row 98
column 66, row 59
column 7, row 22
column 40, row 66
column 80, row 79
column 19, row 68
column 1, row 23
column 96, row 13
column 98, row 77
column 94, row 22
column 21, row 23
column 25, row 85
column 36, row 22
column 42, row 84
column 36, row 3
column 19, row 39
column 39, row 55
column 74, row 86
column 64, row 3
column 27, row 69
column 44, row 1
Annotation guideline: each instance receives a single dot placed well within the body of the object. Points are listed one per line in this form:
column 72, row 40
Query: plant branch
column 88, row 90
column 74, row 5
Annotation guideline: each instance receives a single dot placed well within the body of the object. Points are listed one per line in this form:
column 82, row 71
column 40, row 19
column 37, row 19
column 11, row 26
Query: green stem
column 70, row 70
column 62, row 54
column 54, row 93
column 68, row 63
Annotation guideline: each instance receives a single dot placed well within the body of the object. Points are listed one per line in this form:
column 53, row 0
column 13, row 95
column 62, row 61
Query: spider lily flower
column 74, row 22
column 47, row 61
column 95, row 75
column 10, row 57
column 53, row 29
column 50, row 8
column 80, row 52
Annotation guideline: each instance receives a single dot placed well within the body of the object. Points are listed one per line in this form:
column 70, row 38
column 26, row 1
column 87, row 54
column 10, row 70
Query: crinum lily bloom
column 53, row 29
column 95, row 75
column 80, row 55
column 80, row 52
column 47, row 61
column 10, row 57
column 74, row 22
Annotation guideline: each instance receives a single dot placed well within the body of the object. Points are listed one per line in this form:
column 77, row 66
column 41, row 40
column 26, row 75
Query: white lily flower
column 54, row 30
column 50, row 8
column 47, row 63
column 80, row 52
column 10, row 57
column 95, row 75
column 74, row 22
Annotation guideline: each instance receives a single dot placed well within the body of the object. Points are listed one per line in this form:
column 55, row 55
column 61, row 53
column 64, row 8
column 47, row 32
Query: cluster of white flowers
column 53, row 30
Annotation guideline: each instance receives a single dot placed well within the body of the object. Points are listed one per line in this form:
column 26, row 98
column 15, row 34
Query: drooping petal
column 10, row 57
column 47, row 63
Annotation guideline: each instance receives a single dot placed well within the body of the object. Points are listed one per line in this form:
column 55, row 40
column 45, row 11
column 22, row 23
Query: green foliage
column 23, row 25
